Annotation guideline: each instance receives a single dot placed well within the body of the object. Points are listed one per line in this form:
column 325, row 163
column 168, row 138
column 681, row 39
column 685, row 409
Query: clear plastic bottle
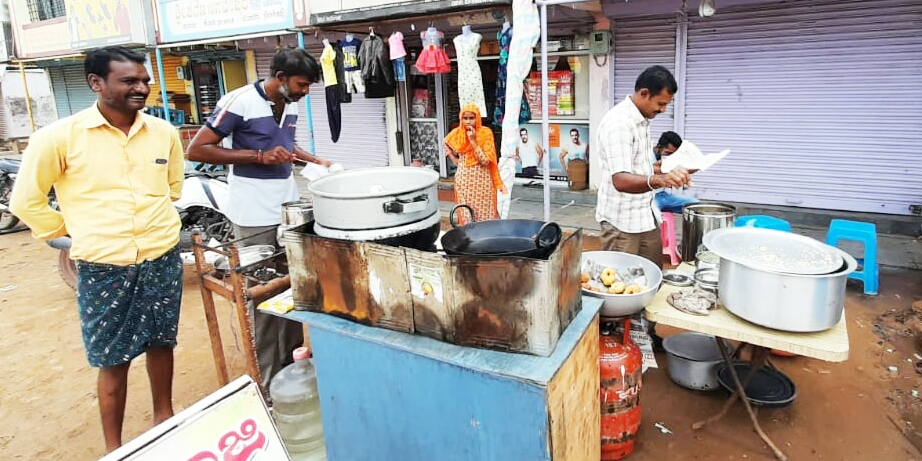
column 296, row 408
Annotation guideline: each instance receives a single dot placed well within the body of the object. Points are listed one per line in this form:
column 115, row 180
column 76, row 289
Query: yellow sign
column 98, row 22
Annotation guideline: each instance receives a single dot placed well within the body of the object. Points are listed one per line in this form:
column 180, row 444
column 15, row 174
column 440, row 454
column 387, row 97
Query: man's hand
column 676, row 178
column 276, row 156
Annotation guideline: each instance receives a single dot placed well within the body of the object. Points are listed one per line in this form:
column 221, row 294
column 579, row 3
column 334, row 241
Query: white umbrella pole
column 545, row 128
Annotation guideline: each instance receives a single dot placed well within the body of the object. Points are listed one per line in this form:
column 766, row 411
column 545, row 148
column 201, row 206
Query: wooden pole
column 25, row 87
column 211, row 318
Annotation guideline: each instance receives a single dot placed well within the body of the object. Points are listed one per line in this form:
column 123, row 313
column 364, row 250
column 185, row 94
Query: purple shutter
column 819, row 101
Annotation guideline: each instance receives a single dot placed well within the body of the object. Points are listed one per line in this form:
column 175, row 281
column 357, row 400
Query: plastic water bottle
column 296, row 409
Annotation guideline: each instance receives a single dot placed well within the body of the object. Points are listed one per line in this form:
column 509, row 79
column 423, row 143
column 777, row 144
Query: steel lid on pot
column 373, row 182
column 774, row 251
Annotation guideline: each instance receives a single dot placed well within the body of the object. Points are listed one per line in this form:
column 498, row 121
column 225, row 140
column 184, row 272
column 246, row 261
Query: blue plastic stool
column 763, row 221
column 866, row 233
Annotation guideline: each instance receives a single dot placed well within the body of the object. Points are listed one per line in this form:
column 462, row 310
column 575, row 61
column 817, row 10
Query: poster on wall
column 565, row 142
column 95, row 23
column 560, row 93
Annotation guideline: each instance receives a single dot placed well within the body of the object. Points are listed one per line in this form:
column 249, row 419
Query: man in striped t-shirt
column 253, row 130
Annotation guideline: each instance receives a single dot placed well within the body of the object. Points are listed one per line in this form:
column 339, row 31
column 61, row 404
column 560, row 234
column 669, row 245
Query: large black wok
column 506, row 237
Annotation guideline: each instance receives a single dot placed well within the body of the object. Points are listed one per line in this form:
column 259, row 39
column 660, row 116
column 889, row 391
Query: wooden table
column 830, row 345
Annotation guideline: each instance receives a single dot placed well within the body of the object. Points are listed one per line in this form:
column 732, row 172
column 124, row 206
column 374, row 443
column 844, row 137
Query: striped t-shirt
column 256, row 192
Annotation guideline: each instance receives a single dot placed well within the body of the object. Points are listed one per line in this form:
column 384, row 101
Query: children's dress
column 432, row 60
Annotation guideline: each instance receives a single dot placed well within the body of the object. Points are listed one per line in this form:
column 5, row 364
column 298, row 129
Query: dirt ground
column 854, row 410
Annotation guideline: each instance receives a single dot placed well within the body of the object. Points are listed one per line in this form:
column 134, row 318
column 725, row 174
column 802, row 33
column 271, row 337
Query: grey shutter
column 71, row 93
column 640, row 43
column 817, row 100
column 363, row 139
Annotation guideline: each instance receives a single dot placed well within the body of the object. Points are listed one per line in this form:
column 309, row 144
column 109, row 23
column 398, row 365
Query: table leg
column 730, row 401
column 742, row 392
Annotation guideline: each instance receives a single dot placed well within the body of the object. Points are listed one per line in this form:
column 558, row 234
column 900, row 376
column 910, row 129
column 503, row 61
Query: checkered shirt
column 625, row 146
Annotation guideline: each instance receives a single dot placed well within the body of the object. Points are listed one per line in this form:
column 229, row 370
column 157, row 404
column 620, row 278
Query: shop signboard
column 95, row 23
column 233, row 424
column 327, row 12
column 182, row 20
column 565, row 142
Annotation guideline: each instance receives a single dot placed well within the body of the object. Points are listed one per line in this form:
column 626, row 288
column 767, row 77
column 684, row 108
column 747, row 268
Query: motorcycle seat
column 9, row 165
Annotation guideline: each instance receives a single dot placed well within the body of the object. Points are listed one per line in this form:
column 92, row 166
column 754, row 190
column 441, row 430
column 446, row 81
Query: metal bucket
column 699, row 219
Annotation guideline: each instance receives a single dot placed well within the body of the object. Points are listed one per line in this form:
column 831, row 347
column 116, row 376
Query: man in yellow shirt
column 116, row 172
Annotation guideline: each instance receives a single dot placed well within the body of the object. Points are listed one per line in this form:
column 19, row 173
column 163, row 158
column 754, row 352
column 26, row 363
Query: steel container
column 700, row 218
column 692, row 359
column 780, row 300
column 624, row 305
column 297, row 213
column 375, row 198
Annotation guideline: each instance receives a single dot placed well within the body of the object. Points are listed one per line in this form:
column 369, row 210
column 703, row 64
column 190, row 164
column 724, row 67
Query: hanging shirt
column 395, row 41
column 328, row 64
column 351, row 54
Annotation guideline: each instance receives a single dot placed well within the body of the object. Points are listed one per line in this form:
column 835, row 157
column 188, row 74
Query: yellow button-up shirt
column 115, row 191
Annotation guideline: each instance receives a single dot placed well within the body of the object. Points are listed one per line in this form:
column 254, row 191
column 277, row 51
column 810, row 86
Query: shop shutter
column 640, row 43
column 302, row 132
column 71, row 92
column 817, row 100
column 363, row 139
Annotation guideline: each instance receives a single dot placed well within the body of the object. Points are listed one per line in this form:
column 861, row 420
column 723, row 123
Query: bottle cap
column 301, row 353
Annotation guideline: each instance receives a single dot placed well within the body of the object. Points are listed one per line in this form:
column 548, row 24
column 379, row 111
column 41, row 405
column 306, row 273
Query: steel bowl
column 624, row 305
column 692, row 359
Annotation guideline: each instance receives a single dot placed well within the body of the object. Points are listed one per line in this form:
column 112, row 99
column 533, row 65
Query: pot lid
column 373, row 182
column 774, row 250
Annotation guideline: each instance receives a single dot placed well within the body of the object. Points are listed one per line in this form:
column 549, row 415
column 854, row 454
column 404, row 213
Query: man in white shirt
column 529, row 153
column 629, row 219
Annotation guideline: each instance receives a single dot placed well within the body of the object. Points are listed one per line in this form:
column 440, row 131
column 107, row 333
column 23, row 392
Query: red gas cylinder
column 620, row 367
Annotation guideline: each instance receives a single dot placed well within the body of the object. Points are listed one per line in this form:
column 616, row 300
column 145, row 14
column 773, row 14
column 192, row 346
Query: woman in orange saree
column 470, row 147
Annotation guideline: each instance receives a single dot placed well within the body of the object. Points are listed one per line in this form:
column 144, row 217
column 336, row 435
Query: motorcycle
column 204, row 195
column 9, row 169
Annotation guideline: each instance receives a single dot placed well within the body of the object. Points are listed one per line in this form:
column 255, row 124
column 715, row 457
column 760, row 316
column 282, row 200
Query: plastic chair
column 763, row 221
column 866, row 233
column 667, row 234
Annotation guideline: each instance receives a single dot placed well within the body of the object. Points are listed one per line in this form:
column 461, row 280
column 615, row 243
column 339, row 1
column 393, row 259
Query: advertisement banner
column 566, row 142
column 560, row 97
column 95, row 23
column 182, row 20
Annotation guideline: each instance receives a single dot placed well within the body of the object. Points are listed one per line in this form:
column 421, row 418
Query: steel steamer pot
column 375, row 198
column 757, row 280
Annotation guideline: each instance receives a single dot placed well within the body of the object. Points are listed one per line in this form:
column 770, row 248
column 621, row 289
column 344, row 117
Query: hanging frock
column 432, row 60
column 470, row 80
column 504, row 37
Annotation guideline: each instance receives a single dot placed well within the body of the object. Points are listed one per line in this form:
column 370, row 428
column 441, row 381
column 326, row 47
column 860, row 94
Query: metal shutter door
column 818, row 101
column 302, row 132
column 363, row 139
column 59, row 88
column 78, row 91
column 638, row 44
column 71, row 92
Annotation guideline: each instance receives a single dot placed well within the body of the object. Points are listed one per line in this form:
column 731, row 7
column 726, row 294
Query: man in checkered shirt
column 625, row 209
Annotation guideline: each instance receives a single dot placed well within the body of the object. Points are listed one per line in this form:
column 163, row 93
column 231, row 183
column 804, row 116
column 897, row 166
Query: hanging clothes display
column 504, row 37
column 339, row 63
column 398, row 53
column 377, row 70
column 432, row 60
column 525, row 34
column 470, row 79
column 351, row 69
column 331, row 89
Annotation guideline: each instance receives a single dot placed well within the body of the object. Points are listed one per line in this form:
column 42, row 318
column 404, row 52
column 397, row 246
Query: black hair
column 669, row 137
column 574, row 130
column 523, row 129
column 295, row 62
column 97, row 60
column 656, row 79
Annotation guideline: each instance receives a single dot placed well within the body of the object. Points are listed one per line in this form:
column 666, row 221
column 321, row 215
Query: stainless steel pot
column 296, row 213
column 700, row 218
column 766, row 296
column 375, row 198
column 692, row 359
